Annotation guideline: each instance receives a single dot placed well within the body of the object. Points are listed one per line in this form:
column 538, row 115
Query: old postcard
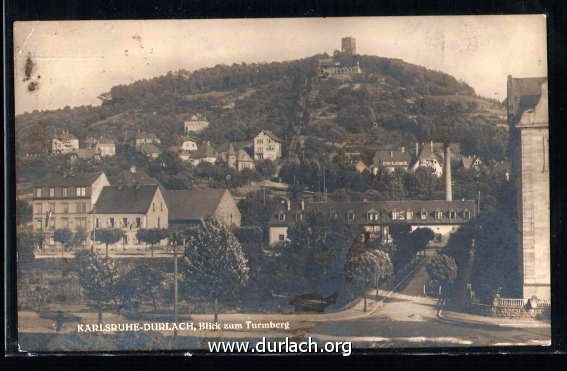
column 298, row 185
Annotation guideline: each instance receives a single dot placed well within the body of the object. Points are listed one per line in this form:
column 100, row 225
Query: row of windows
column 65, row 192
column 121, row 222
column 372, row 216
column 52, row 223
column 65, row 208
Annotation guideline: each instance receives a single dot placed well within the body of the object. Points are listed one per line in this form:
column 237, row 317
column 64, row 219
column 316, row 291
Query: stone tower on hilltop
column 528, row 117
column 348, row 45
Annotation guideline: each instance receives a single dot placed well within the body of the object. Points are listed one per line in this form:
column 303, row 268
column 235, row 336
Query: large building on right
column 527, row 105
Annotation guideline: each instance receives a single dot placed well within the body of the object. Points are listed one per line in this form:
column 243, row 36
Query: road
column 403, row 318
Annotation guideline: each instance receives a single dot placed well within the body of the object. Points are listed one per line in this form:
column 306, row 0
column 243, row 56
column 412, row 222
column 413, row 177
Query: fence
column 513, row 308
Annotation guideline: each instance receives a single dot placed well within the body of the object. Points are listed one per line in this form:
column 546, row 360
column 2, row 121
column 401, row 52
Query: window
column 260, row 141
column 111, row 221
column 124, row 222
column 160, row 206
column 38, row 223
column 332, row 213
column 65, row 208
column 52, row 207
column 409, row 214
column 38, row 192
column 281, row 237
column 65, row 191
column 125, row 239
column 38, row 208
column 372, row 216
column 438, row 214
column 97, row 223
column 281, row 217
column 81, row 191
column 350, row 216
column 299, row 216
column 423, row 214
column 51, row 192
column 452, row 214
column 438, row 237
column 467, row 214
column 158, row 222
column 138, row 222
column 153, row 206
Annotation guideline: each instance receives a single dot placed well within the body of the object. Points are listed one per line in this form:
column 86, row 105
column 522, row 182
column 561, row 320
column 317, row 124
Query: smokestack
column 447, row 171
column 416, row 149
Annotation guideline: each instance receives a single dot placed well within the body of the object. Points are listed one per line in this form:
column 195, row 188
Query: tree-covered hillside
column 391, row 102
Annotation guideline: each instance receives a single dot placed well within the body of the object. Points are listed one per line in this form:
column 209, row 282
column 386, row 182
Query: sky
column 76, row 61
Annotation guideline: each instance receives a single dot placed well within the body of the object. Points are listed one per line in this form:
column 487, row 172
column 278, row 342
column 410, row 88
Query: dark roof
column 523, row 94
column 204, row 150
column 118, row 199
column 148, row 148
column 361, row 209
column 193, row 204
column 271, row 135
column 71, row 180
column 244, row 156
column 129, row 178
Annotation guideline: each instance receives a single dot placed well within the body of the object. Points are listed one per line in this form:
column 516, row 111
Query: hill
column 391, row 102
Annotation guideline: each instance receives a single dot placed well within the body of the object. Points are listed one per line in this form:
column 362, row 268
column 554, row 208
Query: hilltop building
column 65, row 202
column 348, row 45
column 64, row 143
column 196, row 124
column 267, row 146
column 205, row 153
column 105, row 147
column 145, row 138
column 527, row 105
column 428, row 159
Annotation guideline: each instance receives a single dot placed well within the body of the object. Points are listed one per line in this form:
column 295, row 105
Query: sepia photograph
column 282, row 185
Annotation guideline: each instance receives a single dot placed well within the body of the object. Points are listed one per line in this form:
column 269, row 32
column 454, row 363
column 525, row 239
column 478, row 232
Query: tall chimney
column 447, row 171
column 416, row 149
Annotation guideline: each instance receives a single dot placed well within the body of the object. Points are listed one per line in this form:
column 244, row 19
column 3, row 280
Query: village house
column 190, row 207
column 205, row 153
column 150, row 150
column 196, row 124
column 64, row 201
column 267, row 146
column 361, row 167
column 188, row 146
column 237, row 158
column 142, row 138
column 390, row 160
column 64, row 143
column 105, row 147
column 427, row 158
column 130, row 208
column 132, row 177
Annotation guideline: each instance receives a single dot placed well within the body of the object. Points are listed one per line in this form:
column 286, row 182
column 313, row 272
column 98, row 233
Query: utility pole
column 175, row 273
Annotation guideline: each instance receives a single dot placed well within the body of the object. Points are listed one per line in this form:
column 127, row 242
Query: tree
column 27, row 242
column 80, row 236
column 108, row 236
column 442, row 269
column 151, row 236
column 98, row 277
column 216, row 266
column 366, row 268
column 140, row 282
column 64, row 236
column 23, row 212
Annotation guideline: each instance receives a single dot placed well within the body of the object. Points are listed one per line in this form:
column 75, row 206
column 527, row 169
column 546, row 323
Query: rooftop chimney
column 447, row 171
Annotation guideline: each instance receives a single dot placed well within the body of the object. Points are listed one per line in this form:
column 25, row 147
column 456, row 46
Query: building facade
column 528, row 114
column 64, row 143
column 65, row 202
column 130, row 208
column 348, row 45
column 267, row 146
column 196, row 124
